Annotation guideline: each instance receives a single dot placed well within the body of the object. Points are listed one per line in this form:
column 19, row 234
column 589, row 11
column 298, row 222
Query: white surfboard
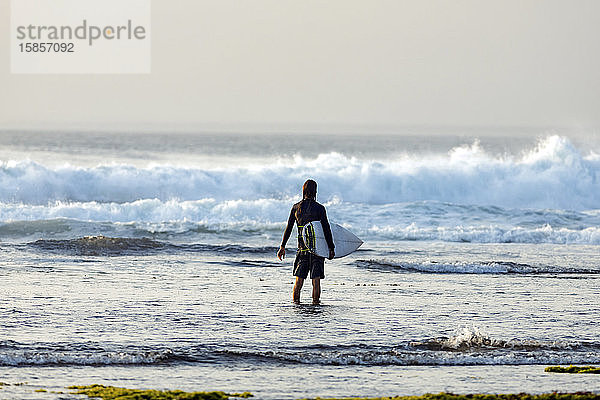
column 345, row 241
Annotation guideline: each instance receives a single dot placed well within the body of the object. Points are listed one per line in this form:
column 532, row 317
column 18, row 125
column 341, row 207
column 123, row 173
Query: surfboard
column 345, row 241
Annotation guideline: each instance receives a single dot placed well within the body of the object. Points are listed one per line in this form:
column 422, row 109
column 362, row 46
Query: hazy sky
column 287, row 63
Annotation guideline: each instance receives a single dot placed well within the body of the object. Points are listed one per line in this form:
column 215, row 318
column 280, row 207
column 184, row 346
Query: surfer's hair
column 309, row 189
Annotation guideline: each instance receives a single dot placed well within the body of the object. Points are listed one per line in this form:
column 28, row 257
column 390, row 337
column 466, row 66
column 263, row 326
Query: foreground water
column 472, row 278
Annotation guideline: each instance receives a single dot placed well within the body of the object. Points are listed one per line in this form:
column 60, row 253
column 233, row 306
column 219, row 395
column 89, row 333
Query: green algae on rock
column 116, row 393
column 451, row 396
column 571, row 369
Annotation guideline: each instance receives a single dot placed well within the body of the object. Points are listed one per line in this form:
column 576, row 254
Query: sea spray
column 553, row 175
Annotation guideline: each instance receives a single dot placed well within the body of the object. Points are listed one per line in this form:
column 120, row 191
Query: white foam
column 18, row 358
column 474, row 337
column 404, row 356
column 469, row 346
column 375, row 200
column 553, row 175
column 490, row 234
column 447, row 268
column 205, row 211
column 407, row 221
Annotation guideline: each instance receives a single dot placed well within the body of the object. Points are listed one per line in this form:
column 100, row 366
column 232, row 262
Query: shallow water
column 187, row 293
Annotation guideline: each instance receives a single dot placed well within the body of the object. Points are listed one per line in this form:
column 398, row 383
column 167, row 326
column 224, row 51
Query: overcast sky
column 281, row 64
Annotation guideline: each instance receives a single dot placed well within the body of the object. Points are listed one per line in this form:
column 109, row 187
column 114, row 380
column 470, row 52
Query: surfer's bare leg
column 316, row 292
column 297, row 289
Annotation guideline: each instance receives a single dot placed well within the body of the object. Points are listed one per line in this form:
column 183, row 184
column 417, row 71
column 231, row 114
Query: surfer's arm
column 288, row 228
column 286, row 235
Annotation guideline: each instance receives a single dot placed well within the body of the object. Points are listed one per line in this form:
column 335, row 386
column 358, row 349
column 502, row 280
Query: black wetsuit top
column 302, row 213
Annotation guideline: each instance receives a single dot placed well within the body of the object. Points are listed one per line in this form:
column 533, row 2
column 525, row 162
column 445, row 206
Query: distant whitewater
column 548, row 194
column 553, row 175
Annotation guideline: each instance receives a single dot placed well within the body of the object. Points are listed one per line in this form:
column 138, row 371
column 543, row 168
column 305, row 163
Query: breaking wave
column 543, row 233
column 469, row 346
column 485, row 267
column 553, row 175
column 107, row 358
column 398, row 221
column 548, row 195
column 399, row 356
column 16, row 354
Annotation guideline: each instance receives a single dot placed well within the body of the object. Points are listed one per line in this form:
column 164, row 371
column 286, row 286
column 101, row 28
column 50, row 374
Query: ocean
column 148, row 261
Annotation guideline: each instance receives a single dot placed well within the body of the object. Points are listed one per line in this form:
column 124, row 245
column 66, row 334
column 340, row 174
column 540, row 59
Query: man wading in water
column 302, row 213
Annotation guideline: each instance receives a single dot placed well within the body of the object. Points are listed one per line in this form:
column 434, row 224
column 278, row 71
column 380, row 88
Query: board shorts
column 306, row 262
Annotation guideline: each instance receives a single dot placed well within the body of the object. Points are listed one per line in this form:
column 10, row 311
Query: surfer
column 303, row 212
